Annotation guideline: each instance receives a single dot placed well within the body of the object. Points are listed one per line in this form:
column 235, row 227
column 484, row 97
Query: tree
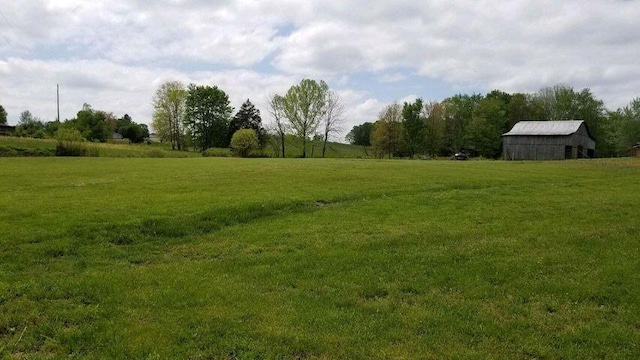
column 304, row 105
column 413, row 126
column 458, row 113
column 30, row 126
column 520, row 108
column 625, row 123
column 360, row 134
column 136, row 133
column 207, row 116
column 244, row 141
column 434, row 127
column 145, row 130
column 248, row 117
column 51, row 128
column 388, row 134
column 92, row 124
column 168, row 113
column 484, row 132
column 333, row 118
column 276, row 110
column 3, row 115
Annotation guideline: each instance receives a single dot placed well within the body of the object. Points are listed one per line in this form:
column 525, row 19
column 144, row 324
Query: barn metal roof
column 566, row 127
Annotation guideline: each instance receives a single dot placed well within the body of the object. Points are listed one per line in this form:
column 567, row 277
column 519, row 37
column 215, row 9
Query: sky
column 114, row 54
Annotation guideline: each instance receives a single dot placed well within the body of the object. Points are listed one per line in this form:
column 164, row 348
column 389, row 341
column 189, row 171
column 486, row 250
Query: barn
column 548, row 140
column 636, row 150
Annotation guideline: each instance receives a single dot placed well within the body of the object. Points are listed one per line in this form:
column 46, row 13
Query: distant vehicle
column 460, row 156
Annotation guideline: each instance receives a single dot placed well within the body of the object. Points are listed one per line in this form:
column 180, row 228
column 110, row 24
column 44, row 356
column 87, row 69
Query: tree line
column 89, row 124
column 201, row 117
column 475, row 123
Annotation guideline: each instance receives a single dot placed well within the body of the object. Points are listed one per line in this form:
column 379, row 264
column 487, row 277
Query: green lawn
column 319, row 258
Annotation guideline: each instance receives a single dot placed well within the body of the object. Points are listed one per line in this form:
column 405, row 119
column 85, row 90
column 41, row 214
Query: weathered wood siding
column 549, row 147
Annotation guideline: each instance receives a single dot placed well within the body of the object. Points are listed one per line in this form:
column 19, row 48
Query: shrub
column 70, row 143
column 244, row 141
column 216, row 152
column 70, row 149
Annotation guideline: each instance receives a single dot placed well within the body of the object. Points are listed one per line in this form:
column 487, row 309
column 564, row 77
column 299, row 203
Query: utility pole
column 58, row 98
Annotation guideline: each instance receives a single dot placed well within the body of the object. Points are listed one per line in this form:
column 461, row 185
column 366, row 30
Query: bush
column 217, row 152
column 70, row 149
column 70, row 143
column 244, row 141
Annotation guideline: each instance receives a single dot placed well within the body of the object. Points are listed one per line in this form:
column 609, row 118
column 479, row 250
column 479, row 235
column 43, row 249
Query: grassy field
column 15, row 146
column 330, row 259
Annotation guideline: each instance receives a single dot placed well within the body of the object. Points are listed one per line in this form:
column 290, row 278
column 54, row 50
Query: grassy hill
column 319, row 258
column 15, row 146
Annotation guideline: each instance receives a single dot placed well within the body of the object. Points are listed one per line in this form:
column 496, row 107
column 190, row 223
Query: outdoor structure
column 548, row 140
column 636, row 150
column 7, row 129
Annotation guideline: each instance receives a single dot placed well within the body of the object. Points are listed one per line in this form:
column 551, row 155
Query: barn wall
column 535, row 147
column 582, row 139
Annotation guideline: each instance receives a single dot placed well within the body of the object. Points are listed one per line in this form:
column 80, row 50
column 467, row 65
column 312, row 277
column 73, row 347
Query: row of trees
column 475, row 123
column 201, row 117
column 92, row 125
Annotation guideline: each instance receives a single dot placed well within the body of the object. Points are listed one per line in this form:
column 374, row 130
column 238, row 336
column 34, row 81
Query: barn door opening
column 581, row 154
column 568, row 152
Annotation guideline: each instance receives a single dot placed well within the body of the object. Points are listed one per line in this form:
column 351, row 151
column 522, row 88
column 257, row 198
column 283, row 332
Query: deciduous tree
column 388, row 134
column 304, row 105
column 168, row 113
column 92, row 124
column 3, row 115
column 207, row 116
column 244, row 141
column 413, row 124
column 280, row 126
column 433, row 115
column 30, row 126
column 332, row 119
column 360, row 134
column 484, row 132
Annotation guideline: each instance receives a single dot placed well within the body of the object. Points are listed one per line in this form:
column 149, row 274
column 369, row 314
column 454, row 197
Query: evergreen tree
column 248, row 117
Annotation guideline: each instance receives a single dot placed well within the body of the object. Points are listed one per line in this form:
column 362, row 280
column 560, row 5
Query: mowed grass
column 319, row 258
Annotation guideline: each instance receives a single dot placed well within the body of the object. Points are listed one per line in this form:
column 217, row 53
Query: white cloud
column 113, row 54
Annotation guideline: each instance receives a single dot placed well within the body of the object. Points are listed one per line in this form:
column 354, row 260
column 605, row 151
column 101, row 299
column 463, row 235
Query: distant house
column 153, row 137
column 7, row 129
column 548, row 140
column 636, row 150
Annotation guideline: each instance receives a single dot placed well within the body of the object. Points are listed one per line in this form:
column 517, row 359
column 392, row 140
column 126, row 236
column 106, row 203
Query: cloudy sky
column 113, row 54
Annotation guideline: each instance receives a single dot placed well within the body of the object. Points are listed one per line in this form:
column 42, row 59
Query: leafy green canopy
column 207, row 116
